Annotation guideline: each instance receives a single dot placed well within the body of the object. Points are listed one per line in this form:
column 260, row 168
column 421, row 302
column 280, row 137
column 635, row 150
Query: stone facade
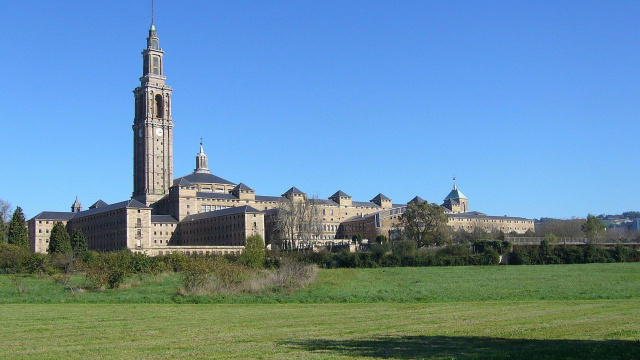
column 201, row 213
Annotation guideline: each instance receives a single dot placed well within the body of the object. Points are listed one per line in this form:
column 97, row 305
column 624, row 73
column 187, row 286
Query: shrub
column 211, row 275
column 254, row 252
column 621, row 253
column 524, row 255
column 454, row 250
column 568, row 254
column 293, row 275
column 324, row 259
column 594, row 254
column 174, row 262
column 196, row 276
column 108, row 269
column 403, row 247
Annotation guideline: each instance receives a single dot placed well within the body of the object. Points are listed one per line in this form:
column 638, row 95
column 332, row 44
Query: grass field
column 513, row 312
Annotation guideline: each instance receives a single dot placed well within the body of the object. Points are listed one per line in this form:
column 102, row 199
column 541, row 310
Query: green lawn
column 511, row 312
column 404, row 285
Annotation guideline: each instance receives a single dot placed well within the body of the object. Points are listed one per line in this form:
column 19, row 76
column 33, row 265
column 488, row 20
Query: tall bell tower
column 152, row 127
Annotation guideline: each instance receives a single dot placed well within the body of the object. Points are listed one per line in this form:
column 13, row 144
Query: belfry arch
column 159, row 106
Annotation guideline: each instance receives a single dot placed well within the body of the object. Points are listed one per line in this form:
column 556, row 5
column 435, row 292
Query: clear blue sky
column 532, row 105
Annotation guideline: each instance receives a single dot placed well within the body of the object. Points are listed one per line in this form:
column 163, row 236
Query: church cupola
column 202, row 162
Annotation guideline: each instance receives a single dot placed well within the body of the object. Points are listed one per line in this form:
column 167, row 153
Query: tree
column 254, row 252
column 5, row 209
column 551, row 239
column 425, row 224
column 462, row 236
column 59, row 241
column 18, row 233
column 298, row 221
column 79, row 243
column 560, row 228
column 593, row 228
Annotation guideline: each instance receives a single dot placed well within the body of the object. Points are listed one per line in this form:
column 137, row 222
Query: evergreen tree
column 79, row 243
column 593, row 228
column 18, row 233
column 3, row 232
column 254, row 252
column 59, row 241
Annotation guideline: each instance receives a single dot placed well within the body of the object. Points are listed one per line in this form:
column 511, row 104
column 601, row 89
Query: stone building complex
column 201, row 213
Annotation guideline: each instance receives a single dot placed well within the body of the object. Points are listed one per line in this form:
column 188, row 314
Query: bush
column 403, row 247
column 454, row 250
column 254, row 252
column 12, row 258
column 621, row 253
column 568, row 254
column 108, row 269
column 293, row 275
column 524, row 255
column 175, row 262
column 196, row 276
column 594, row 254
column 324, row 259
column 501, row 246
column 210, row 275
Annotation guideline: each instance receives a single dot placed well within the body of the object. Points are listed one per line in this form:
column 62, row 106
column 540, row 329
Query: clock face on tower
column 159, row 132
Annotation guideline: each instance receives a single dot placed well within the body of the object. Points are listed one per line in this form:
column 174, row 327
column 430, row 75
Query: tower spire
column 202, row 161
column 454, row 183
column 152, row 22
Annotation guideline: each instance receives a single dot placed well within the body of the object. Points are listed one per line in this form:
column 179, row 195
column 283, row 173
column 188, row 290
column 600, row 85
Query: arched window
column 159, row 106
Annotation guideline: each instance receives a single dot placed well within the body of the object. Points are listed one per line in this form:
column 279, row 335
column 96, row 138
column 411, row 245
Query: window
column 156, row 65
column 159, row 107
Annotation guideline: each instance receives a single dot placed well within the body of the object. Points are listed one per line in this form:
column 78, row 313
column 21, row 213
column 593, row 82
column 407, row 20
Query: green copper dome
column 455, row 194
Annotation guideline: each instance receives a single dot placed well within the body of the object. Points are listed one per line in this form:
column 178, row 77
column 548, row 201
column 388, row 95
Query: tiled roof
column 242, row 186
column 364, row 203
column 293, row 190
column 223, row 212
column 163, row 219
column 214, row 195
column 380, row 197
column 54, row 215
column 416, row 199
column 182, row 182
column 268, row 198
column 203, row 178
column 98, row 204
column 123, row 204
column 339, row 193
column 476, row 214
column 323, row 202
